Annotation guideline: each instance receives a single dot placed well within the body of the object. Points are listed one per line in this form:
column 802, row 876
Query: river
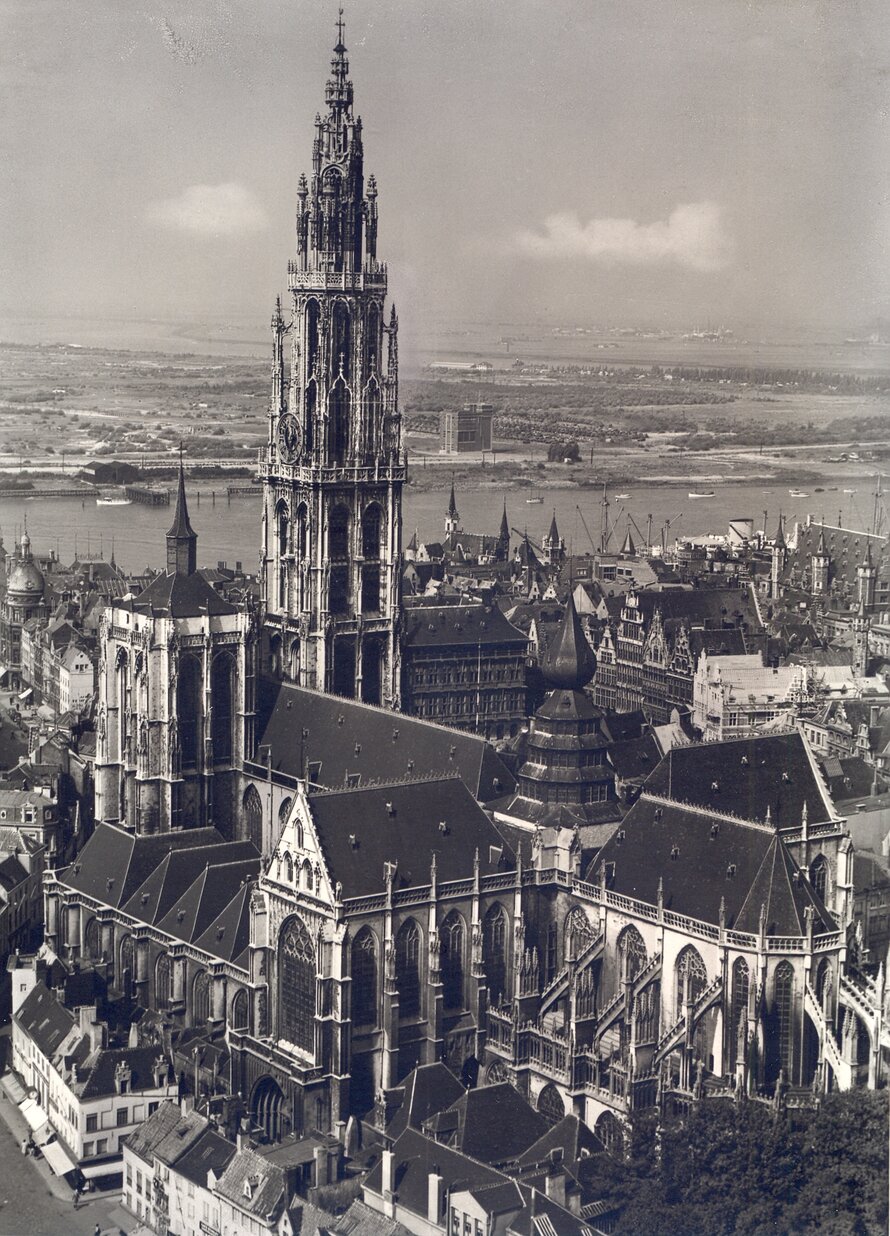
column 229, row 531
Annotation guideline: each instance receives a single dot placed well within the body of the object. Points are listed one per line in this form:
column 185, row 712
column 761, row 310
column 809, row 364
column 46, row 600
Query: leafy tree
column 740, row 1169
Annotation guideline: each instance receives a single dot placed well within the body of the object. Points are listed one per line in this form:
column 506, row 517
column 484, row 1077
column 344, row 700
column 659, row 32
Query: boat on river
column 709, row 494
column 112, row 497
column 798, row 493
column 534, row 501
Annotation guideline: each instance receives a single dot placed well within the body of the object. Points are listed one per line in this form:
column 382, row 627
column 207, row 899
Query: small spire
column 779, row 538
column 553, row 534
column 505, row 525
column 182, row 542
column 628, row 549
column 452, row 503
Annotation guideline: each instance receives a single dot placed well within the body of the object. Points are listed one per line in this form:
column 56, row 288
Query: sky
column 599, row 162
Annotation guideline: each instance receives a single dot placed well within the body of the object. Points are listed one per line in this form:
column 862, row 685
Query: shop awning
column 59, row 1157
column 33, row 1113
column 4, row 670
column 14, row 1088
column 26, row 694
column 112, row 1167
column 44, row 1134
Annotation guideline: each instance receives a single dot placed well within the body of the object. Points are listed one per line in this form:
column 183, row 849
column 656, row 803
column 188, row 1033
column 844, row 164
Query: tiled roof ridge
column 699, row 809
column 410, row 1129
column 391, row 783
column 395, row 717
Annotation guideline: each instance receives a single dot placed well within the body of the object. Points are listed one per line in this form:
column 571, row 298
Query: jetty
column 147, row 496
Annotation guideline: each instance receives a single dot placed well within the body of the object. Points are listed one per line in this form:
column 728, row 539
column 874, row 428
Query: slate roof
column 571, row 1136
column 696, row 607
column 634, row 758
column 456, row 626
column 350, row 739
column 493, row 1124
column 12, row 873
column 428, row 1089
column 267, row 1184
column 45, row 1020
column 361, row 1220
column 153, row 1131
column 191, row 885
column 209, row 1152
column 742, row 865
column 360, row 830
column 100, row 1069
column 751, row 774
column 174, row 595
column 415, row 1156
column 127, row 860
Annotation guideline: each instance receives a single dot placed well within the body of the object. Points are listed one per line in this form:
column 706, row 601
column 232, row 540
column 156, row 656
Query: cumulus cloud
column 210, row 210
column 692, row 236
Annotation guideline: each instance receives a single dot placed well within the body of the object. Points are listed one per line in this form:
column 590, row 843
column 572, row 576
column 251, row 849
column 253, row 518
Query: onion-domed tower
column 25, row 599
column 334, row 466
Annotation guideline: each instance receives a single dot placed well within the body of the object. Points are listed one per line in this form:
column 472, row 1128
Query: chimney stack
column 435, row 1197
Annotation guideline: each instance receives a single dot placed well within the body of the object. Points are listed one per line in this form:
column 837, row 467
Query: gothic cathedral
column 334, row 464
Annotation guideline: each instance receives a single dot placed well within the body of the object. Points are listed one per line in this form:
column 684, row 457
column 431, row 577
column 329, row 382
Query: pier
column 146, row 496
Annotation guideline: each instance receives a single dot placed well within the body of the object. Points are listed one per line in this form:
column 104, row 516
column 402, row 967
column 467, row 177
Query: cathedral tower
column 334, row 465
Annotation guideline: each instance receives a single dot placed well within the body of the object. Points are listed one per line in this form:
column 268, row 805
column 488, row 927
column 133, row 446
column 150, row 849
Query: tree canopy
column 739, row 1169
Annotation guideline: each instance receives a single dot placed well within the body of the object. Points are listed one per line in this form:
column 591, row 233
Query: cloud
column 210, row 210
column 693, row 236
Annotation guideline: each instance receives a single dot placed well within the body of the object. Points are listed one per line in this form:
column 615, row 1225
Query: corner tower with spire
column 334, row 464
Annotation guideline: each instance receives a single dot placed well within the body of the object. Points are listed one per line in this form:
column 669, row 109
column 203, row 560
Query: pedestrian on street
column 97, row 1231
column 24, row 1145
column 76, row 1196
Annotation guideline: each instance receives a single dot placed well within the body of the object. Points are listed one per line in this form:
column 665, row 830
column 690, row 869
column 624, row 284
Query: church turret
column 335, row 466
column 628, row 549
column 819, row 566
column 778, row 560
column 504, row 535
column 182, row 541
column 866, row 577
column 553, row 545
column 452, row 518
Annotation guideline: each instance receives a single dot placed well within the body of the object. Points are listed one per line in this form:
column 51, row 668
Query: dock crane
column 665, row 530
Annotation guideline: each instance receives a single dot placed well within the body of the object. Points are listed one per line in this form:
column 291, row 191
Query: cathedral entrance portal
column 265, row 1109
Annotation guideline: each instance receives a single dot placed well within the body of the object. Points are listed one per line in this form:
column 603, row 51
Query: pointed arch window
column 163, row 981
column 784, row 1006
column 408, row 969
column 222, row 682
column 252, row 813
column 297, row 970
column 364, row 978
column 339, row 404
column 819, row 875
column 741, row 985
column 201, row 999
column 451, row 939
column 632, row 954
column 692, row 977
column 188, row 710
column 494, row 952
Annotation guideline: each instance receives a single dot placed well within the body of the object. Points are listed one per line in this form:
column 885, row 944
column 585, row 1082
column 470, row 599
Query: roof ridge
column 392, row 783
column 394, row 716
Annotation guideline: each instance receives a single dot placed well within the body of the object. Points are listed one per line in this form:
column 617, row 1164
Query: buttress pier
column 334, row 463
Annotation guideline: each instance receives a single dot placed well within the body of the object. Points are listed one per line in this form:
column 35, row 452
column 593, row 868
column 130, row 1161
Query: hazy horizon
column 709, row 163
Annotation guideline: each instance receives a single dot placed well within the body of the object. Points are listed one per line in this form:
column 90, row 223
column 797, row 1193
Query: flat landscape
column 63, row 406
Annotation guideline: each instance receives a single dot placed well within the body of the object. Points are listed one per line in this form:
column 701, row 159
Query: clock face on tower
column 288, row 437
